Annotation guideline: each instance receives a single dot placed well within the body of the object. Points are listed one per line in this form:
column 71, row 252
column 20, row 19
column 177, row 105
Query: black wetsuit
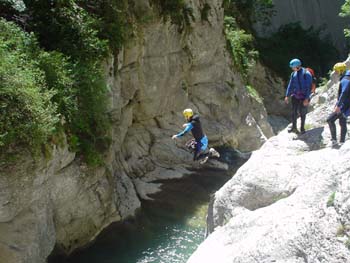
column 198, row 134
column 344, row 104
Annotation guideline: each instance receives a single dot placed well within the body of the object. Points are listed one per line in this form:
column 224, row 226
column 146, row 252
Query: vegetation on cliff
column 345, row 12
column 52, row 53
column 62, row 82
column 59, row 69
column 239, row 18
column 28, row 114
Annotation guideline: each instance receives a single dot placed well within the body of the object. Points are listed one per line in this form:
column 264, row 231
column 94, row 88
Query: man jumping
column 201, row 140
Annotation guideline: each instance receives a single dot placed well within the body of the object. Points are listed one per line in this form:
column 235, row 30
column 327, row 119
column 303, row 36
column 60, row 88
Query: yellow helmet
column 340, row 67
column 188, row 113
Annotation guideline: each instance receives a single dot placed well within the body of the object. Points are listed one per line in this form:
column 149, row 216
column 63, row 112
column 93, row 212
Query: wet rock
column 287, row 203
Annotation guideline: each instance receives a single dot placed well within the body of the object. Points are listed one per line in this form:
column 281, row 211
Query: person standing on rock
column 299, row 88
column 201, row 140
column 342, row 107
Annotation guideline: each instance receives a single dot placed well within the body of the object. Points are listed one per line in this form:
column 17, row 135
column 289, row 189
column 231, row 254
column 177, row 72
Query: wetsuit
column 344, row 104
column 299, row 88
column 194, row 125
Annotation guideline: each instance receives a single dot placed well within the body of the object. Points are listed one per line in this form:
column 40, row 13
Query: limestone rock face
column 52, row 202
column 61, row 202
column 272, row 90
column 288, row 203
column 315, row 13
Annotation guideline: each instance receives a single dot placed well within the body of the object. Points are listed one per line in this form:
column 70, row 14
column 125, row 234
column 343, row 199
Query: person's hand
column 286, row 100
column 306, row 102
column 337, row 109
column 185, row 125
column 174, row 137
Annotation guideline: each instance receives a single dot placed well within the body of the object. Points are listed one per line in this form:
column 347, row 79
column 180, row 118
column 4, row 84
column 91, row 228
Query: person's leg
column 204, row 148
column 204, row 153
column 294, row 114
column 343, row 127
column 331, row 123
column 303, row 112
column 197, row 151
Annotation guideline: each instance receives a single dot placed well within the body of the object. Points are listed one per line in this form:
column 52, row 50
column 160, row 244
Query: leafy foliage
column 77, row 36
column 58, row 73
column 27, row 114
column 241, row 46
column 113, row 21
column 254, row 94
column 345, row 12
column 239, row 18
column 330, row 201
column 66, row 27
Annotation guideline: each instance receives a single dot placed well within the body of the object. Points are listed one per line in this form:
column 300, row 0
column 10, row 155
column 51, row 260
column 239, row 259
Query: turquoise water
column 167, row 230
column 168, row 243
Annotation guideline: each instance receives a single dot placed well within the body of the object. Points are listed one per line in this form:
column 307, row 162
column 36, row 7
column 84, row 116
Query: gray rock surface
column 272, row 90
column 288, row 203
column 61, row 202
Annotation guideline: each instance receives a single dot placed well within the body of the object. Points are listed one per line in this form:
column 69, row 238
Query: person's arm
column 188, row 127
column 288, row 92
column 308, row 84
column 345, row 93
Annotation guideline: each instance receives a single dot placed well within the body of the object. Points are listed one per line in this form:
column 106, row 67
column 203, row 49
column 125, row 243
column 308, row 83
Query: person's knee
column 343, row 125
column 303, row 111
column 330, row 119
column 330, row 122
column 342, row 119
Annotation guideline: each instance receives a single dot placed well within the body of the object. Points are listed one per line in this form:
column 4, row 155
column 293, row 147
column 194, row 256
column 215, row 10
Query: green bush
column 254, row 94
column 241, row 46
column 66, row 27
column 239, row 18
column 40, row 87
column 58, row 72
column 331, row 199
column 27, row 114
column 112, row 20
column 347, row 243
column 80, row 35
column 345, row 12
column 341, row 231
column 91, row 122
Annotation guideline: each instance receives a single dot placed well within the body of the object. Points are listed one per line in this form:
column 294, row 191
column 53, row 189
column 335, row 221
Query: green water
column 167, row 230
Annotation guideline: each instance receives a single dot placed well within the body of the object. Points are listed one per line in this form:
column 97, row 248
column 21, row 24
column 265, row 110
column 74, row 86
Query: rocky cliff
column 316, row 13
column 59, row 201
column 288, row 203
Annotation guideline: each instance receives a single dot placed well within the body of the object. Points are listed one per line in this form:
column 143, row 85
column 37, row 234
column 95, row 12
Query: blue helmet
column 295, row 63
